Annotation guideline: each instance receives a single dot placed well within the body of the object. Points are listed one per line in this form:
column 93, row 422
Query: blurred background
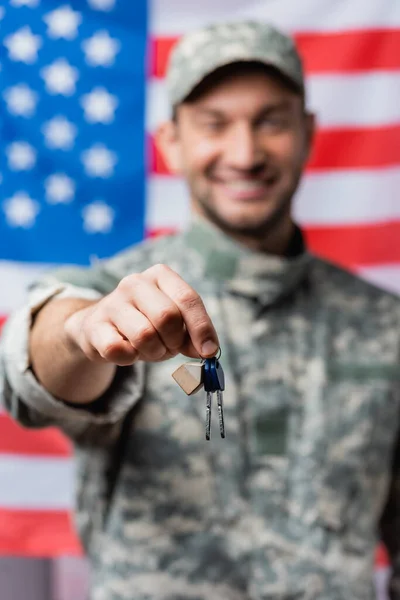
column 81, row 91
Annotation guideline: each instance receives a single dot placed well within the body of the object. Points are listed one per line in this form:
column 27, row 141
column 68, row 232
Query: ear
column 168, row 143
column 310, row 126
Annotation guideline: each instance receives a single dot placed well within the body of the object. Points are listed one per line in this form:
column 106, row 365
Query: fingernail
column 209, row 347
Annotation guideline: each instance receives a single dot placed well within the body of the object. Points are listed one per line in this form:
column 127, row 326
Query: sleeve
column 390, row 526
column 31, row 405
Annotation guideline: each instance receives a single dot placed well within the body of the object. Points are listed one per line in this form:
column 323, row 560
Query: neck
column 275, row 241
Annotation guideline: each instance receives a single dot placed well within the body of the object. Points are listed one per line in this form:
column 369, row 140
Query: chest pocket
column 362, row 407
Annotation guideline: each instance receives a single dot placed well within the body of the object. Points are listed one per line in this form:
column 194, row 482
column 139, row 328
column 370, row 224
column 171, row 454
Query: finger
column 159, row 309
column 197, row 321
column 187, row 348
column 106, row 342
column 139, row 331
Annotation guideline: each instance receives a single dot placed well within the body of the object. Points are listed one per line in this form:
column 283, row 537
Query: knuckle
column 158, row 268
column 188, row 298
column 168, row 316
column 143, row 335
column 110, row 350
column 127, row 283
column 202, row 326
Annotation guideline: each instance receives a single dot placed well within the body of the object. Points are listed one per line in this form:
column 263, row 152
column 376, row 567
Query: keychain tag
column 189, row 377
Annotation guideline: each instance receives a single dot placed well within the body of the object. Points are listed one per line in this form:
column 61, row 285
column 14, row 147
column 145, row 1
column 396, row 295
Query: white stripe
column 345, row 197
column 355, row 100
column 15, row 278
column 167, row 203
column 339, row 100
column 386, row 277
column 36, row 483
column 382, row 577
column 340, row 198
column 172, row 17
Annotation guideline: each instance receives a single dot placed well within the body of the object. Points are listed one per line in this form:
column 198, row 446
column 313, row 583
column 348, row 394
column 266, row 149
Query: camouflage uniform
column 288, row 505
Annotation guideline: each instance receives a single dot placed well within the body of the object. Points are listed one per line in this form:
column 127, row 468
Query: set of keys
column 208, row 373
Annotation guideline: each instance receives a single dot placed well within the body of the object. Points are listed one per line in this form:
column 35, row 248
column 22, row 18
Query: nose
column 242, row 150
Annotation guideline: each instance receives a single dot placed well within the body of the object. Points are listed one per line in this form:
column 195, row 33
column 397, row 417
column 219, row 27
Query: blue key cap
column 214, row 381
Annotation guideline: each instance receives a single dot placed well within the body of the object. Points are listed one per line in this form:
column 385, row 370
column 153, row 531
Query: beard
column 258, row 230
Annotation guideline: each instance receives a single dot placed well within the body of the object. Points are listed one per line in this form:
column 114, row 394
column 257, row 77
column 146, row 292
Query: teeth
column 246, row 186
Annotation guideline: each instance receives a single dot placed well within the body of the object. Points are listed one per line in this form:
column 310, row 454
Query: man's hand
column 150, row 316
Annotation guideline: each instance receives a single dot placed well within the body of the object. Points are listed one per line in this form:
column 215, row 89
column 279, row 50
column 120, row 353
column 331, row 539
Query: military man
column 291, row 504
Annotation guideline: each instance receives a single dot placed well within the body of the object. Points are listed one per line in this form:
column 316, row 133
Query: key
column 214, row 381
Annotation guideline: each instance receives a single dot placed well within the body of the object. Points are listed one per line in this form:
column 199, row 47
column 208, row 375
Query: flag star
column 100, row 50
column 99, row 161
column 60, row 77
column 99, row 106
column 23, row 46
column 31, row 3
column 60, row 188
column 98, row 217
column 21, row 100
column 105, row 5
column 21, row 210
column 21, row 156
column 63, row 23
column 59, row 133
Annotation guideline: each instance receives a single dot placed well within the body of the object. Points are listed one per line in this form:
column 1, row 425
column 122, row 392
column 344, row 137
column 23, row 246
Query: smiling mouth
column 247, row 189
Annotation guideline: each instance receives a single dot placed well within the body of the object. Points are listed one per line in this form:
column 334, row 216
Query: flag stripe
column 344, row 52
column 363, row 100
column 36, row 482
column 354, row 148
column 2, row 321
column 37, row 533
column 358, row 245
column 170, row 18
column 333, row 149
column 18, row 277
column 384, row 276
column 15, row 439
column 342, row 198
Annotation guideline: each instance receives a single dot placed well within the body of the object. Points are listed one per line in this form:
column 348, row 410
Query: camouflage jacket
column 291, row 504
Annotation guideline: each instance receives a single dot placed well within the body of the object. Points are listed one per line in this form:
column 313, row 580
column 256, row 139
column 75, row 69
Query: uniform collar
column 255, row 274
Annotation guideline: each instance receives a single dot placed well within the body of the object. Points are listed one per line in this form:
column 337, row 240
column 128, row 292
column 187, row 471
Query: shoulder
column 342, row 288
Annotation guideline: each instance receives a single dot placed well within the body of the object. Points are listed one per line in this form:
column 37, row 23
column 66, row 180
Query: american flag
column 82, row 90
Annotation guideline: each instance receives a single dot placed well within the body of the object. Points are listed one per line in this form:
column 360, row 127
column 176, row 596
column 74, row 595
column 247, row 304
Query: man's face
column 241, row 146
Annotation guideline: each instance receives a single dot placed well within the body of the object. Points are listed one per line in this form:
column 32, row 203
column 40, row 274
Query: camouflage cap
column 199, row 53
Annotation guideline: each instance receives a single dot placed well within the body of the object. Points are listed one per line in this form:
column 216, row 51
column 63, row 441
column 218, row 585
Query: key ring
column 217, row 356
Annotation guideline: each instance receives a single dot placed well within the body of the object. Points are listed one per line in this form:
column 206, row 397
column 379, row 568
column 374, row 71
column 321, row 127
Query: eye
column 212, row 126
column 275, row 121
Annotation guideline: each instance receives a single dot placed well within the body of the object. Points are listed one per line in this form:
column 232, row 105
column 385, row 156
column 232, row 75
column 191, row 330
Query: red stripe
column 37, row 533
column 350, row 148
column 15, row 439
column 382, row 557
column 356, row 148
column 356, row 246
column 347, row 52
column 350, row 51
column 2, row 321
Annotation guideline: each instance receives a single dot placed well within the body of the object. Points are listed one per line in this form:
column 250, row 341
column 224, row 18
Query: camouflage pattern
column 201, row 52
column 289, row 505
